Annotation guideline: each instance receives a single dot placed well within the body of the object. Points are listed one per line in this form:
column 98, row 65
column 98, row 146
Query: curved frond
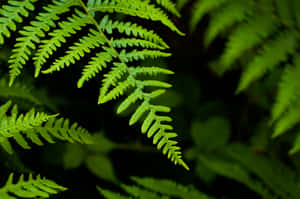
column 31, row 188
column 51, row 29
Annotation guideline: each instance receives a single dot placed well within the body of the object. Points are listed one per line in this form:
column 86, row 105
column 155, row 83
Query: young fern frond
column 264, row 35
column 31, row 188
column 135, row 43
column 34, row 125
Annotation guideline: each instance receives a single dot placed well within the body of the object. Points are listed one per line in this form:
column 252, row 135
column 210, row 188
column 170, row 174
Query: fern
column 264, row 35
column 110, row 52
column 12, row 13
column 31, row 188
column 154, row 188
column 32, row 35
column 34, row 124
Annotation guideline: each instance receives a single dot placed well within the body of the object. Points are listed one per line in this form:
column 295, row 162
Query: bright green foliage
column 31, row 35
column 154, row 188
column 263, row 35
column 12, row 13
column 31, row 188
column 135, row 43
column 34, row 125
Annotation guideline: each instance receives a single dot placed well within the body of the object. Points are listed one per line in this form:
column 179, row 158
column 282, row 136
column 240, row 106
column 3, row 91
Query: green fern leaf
column 12, row 13
column 169, row 5
column 136, row 55
column 145, row 44
column 58, row 36
column 245, row 37
column 232, row 13
column 124, row 42
column 139, row 8
column 85, row 45
column 131, row 29
column 94, row 66
column 34, row 124
column 288, row 90
column 202, row 7
column 31, row 188
column 287, row 121
column 32, row 34
column 273, row 53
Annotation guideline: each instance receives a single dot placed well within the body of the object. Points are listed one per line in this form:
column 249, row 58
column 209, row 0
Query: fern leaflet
column 31, row 188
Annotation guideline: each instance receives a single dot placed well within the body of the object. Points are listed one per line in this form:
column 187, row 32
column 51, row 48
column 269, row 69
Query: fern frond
column 94, row 66
column 245, row 37
column 288, row 91
column 273, row 53
column 202, row 7
column 232, row 13
column 288, row 120
column 12, row 13
column 34, row 124
column 85, row 45
column 131, row 29
column 139, row 8
column 169, row 5
column 114, row 53
column 30, row 188
column 136, row 55
column 58, row 36
column 33, row 33
column 124, row 42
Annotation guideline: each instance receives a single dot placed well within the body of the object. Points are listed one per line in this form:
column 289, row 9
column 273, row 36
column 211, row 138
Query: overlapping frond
column 108, row 43
column 33, row 125
column 262, row 35
column 38, row 187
